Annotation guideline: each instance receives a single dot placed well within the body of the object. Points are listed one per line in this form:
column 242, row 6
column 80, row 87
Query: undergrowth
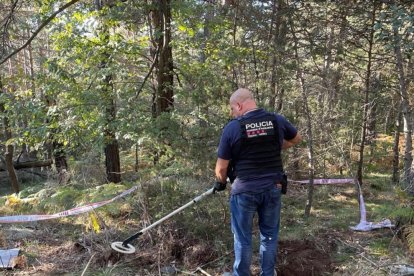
column 200, row 235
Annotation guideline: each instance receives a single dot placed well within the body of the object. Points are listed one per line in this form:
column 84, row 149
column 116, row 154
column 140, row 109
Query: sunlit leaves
column 396, row 23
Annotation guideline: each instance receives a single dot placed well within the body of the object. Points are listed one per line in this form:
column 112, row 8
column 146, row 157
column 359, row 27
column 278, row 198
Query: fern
column 410, row 237
column 62, row 199
column 404, row 215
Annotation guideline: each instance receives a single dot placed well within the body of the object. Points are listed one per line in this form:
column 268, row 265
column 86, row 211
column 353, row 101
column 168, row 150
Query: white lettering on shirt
column 260, row 125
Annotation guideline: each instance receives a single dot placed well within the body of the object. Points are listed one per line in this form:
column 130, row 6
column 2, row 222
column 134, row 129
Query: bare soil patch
column 304, row 257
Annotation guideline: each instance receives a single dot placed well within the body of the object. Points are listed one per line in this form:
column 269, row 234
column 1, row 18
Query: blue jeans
column 243, row 207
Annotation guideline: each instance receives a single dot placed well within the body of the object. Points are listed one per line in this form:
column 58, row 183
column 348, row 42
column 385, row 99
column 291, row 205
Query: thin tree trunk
column 311, row 160
column 202, row 102
column 406, row 116
column 55, row 149
column 372, row 116
column 396, row 152
column 136, row 166
column 32, row 74
column 112, row 158
column 235, row 22
column 296, row 174
column 325, row 102
column 9, row 147
column 278, row 42
column 366, row 99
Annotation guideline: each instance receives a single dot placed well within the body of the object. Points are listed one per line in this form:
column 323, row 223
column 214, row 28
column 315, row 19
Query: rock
column 169, row 270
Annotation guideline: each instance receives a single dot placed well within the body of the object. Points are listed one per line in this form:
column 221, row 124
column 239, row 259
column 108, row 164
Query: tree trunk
column 111, row 148
column 235, row 25
column 112, row 158
column 160, row 29
column 278, row 31
column 9, row 147
column 372, row 115
column 32, row 164
column 303, row 89
column 136, row 166
column 406, row 116
column 396, row 151
column 325, row 96
column 55, row 149
column 311, row 159
column 60, row 157
column 112, row 162
column 296, row 170
column 161, row 19
column 203, row 99
column 366, row 99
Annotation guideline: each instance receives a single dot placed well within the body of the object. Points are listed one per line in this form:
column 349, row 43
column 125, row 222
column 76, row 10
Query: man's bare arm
column 290, row 143
column 221, row 170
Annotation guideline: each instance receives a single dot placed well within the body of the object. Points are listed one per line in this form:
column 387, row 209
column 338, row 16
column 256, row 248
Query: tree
column 112, row 159
column 307, row 112
column 162, row 54
column 396, row 30
column 367, row 91
column 8, row 144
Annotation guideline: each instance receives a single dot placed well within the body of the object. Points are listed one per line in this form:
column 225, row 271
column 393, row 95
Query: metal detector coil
column 118, row 246
column 125, row 246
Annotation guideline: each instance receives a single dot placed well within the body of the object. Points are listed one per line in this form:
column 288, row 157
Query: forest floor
column 199, row 241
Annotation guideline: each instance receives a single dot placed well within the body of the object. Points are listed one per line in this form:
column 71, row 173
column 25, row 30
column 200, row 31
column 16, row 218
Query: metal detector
column 125, row 246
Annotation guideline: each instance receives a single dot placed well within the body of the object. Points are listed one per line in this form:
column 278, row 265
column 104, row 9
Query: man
column 253, row 142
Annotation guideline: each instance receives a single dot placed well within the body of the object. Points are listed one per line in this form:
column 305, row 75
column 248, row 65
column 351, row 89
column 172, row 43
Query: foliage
column 215, row 50
column 61, row 199
column 410, row 237
column 56, row 91
column 405, row 215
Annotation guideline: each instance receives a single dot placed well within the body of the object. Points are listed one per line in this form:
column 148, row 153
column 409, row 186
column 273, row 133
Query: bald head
column 241, row 95
column 242, row 101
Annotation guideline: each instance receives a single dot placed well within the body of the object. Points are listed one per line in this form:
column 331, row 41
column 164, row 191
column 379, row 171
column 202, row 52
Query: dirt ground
column 43, row 252
column 57, row 248
column 305, row 258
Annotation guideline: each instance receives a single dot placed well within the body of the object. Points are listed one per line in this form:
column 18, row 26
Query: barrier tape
column 363, row 224
column 71, row 212
column 325, row 181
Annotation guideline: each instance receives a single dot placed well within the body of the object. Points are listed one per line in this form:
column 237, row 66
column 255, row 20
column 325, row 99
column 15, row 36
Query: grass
column 207, row 223
column 340, row 199
column 335, row 208
column 380, row 246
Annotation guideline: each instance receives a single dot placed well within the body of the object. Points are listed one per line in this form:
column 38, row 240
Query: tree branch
column 44, row 24
column 7, row 19
column 5, row 25
column 148, row 74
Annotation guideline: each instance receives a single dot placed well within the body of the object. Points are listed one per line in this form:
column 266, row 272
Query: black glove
column 218, row 186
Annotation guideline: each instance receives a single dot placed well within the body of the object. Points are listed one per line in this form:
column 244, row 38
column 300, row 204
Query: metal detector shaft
column 195, row 200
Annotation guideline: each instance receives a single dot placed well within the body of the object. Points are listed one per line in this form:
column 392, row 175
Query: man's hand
column 218, row 186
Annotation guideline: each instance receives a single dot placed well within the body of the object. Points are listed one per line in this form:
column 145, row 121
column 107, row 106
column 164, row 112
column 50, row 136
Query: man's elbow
column 297, row 139
column 292, row 142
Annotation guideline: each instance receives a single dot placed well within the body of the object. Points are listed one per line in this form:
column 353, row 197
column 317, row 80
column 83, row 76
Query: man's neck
column 251, row 110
